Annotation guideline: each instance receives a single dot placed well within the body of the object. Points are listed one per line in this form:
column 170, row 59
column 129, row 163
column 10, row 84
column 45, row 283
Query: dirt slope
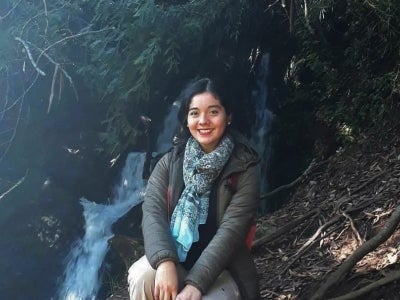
column 346, row 201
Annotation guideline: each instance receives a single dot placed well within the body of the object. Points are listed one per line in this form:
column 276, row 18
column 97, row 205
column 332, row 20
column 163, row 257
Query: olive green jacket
column 235, row 213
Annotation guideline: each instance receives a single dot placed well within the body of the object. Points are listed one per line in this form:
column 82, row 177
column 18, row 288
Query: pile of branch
column 338, row 219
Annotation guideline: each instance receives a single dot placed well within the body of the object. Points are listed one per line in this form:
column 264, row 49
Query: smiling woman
column 194, row 226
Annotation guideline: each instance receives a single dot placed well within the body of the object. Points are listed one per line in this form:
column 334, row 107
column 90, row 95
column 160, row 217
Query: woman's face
column 207, row 120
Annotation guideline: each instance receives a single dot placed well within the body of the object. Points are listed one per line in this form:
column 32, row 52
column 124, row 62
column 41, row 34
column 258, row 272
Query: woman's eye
column 214, row 112
column 193, row 113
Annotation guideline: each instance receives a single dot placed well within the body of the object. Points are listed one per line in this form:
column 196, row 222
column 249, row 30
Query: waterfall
column 82, row 279
column 261, row 137
column 169, row 129
column 82, row 275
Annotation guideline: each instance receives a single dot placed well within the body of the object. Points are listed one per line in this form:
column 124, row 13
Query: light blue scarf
column 200, row 169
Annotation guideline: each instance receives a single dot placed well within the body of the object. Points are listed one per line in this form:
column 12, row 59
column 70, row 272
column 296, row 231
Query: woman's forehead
column 204, row 100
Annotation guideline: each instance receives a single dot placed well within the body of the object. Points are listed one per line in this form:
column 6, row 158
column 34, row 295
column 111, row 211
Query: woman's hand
column 189, row 293
column 166, row 282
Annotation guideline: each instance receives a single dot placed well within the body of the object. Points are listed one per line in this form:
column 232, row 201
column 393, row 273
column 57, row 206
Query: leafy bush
column 124, row 54
column 347, row 62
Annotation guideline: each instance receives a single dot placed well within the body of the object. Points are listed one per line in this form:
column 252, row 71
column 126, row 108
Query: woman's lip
column 204, row 131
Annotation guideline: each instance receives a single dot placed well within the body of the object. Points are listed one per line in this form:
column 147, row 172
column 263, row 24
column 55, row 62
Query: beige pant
column 141, row 283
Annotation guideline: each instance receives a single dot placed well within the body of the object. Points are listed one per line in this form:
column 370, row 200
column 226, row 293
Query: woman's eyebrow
column 214, row 106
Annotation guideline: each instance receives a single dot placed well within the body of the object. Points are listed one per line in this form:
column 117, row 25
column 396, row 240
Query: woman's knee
column 141, row 276
column 223, row 288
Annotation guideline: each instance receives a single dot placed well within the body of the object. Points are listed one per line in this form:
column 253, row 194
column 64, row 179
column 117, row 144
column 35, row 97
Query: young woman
column 194, row 223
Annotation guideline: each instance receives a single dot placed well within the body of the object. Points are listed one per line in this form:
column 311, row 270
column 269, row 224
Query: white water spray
column 82, row 279
column 261, row 137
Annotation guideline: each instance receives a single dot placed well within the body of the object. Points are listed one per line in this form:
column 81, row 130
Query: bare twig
column 294, row 182
column 28, row 51
column 362, row 291
column 70, row 38
column 353, row 227
column 14, row 186
column 346, row 197
column 271, row 5
column 71, row 82
column 317, row 233
column 47, row 17
column 304, row 249
column 19, row 100
column 337, row 276
column 282, row 230
column 5, row 98
column 361, row 205
column 5, row 131
column 60, row 86
column 38, row 15
column 14, row 131
column 10, row 11
column 308, row 25
column 309, row 243
column 53, row 83
column 368, row 182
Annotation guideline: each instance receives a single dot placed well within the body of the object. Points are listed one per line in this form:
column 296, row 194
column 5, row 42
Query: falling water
column 82, row 279
column 82, row 276
column 169, row 129
column 261, row 137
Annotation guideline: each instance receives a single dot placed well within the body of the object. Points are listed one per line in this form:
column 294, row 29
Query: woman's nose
column 203, row 119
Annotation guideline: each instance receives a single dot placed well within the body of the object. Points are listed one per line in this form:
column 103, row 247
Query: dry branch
column 28, row 51
column 18, row 119
column 353, row 227
column 53, row 84
column 47, row 16
column 10, row 11
column 368, row 182
column 270, row 237
column 346, row 197
column 60, row 67
column 308, row 25
column 38, row 15
column 309, row 243
column 19, row 100
column 14, row 186
column 337, row 276
column 5, row 99
column 311, row 166
column 69, row 38
column 355, row 294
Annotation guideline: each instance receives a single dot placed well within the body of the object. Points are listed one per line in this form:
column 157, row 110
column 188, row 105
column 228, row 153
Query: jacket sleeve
column 232, row 231
column 158, row 242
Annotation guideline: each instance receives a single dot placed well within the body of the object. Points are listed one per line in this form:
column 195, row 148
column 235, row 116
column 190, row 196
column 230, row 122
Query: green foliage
column 347, row 62
column 151, row 44
column 125, row 53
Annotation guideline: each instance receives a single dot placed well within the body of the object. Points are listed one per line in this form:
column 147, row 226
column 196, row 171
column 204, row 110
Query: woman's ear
column 229, row 120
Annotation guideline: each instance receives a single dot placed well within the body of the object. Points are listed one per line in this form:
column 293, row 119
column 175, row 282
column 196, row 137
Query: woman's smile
column 205, row 131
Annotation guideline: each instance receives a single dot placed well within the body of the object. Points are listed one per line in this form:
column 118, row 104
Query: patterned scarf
column 200, row 169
